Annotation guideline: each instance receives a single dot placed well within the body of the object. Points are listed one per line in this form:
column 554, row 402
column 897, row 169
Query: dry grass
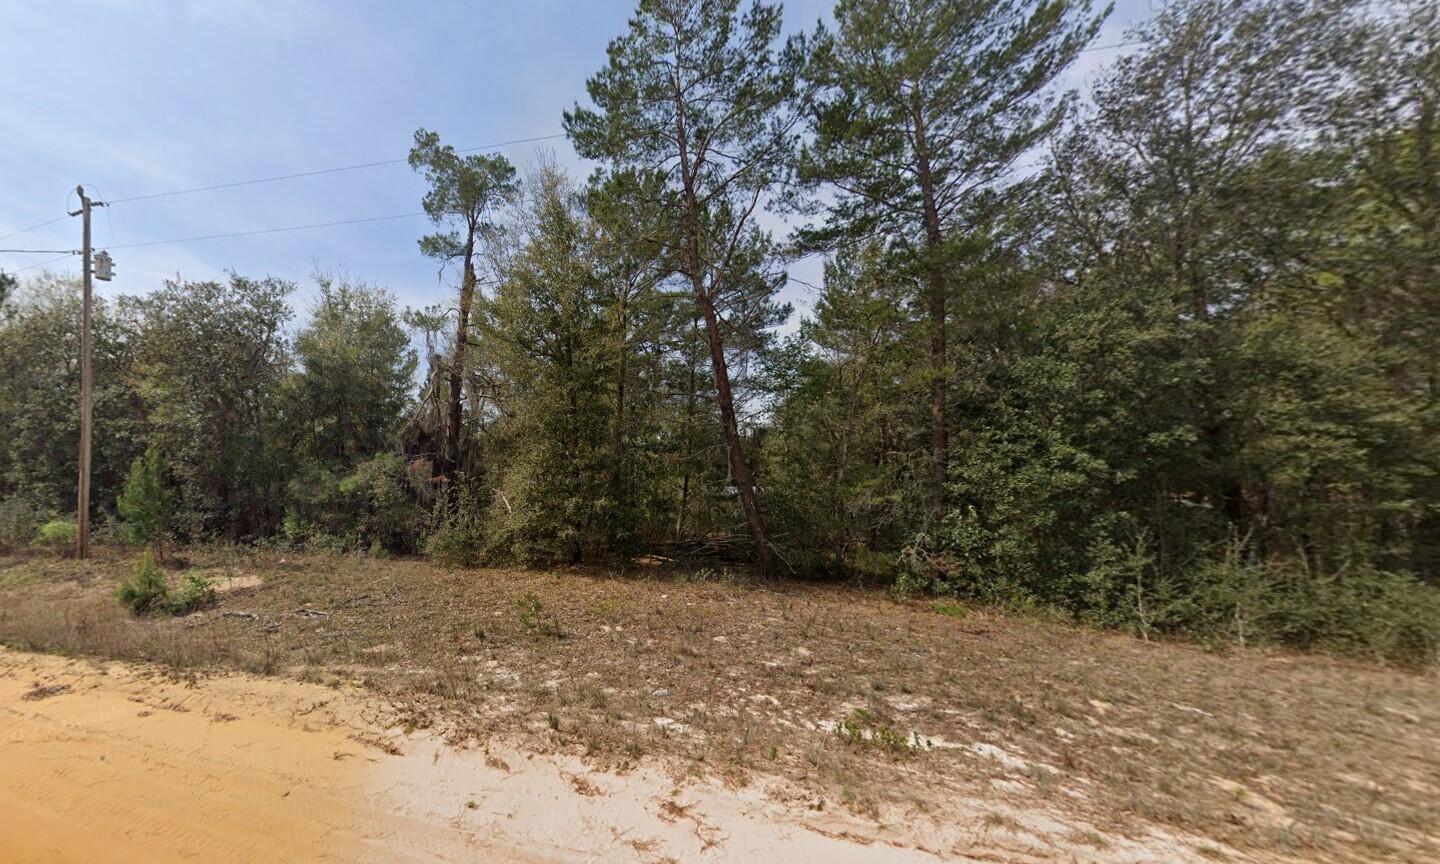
column 857, row 698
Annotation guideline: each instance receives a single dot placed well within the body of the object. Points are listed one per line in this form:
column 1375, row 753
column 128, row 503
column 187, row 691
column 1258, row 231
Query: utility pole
column 82, row 498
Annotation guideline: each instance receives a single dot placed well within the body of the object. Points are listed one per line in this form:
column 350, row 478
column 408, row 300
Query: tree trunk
column 689, row 445
column 697, row 273
column 935, row 287
column 453, row 456
column 738, row 466
column 622, row 370
column 939, row 437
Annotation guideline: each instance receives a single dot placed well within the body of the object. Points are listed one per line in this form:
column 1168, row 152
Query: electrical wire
column 275, row 179
column 1110, row 47
column 45, row 263
column 33, row 227
column 268, row 230
column 320, row 171
column 37, row 251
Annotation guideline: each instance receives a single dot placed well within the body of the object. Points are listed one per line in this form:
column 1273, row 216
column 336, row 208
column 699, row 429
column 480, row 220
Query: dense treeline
column 1166, row 358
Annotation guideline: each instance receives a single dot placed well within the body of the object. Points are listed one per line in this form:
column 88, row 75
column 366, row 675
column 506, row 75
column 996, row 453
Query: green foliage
column 948, row 609
column 699, row 107
column 534, row 620
column 8, row 286
column 356, row 372
column 923, row 104
column 146, row 591
column 39, row 380
column 20, row 520
column 864, row 728
column 57, row 535
column 550, row 332
column 1389, row 617
column 457, row 536
column 145, row 503
column 195, row 592
column 1188, row 368
column 211, row 363
column 1184, row 402
column 841, row 491
column 379, row 504
column 463, row 190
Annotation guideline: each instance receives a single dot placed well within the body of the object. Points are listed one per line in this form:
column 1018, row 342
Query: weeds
column 147, row 592
column 534, row 620
column 195, row 592
column 20, row 520
column 948, row 609
column 865, row 728
column 55, row 535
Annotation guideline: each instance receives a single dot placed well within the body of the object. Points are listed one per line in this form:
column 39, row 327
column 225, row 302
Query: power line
column 267, row 230
column 275, row 179
column 1111, row 47
column 257, row 231
column 44, row 263
column 320, row 171
column 36, row 251
column 33, row 227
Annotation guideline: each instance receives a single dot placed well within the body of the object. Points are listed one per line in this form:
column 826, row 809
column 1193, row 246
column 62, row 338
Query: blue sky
column 133, row 97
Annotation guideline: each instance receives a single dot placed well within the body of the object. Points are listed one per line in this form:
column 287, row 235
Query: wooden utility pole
column 82, row 498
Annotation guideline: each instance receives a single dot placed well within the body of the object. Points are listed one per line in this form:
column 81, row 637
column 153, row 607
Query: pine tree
column 923, row 109
column 463, row 193
column 145, row 504
column 695, row 92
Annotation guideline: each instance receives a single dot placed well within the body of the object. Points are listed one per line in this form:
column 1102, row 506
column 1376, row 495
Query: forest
column 1164, row 359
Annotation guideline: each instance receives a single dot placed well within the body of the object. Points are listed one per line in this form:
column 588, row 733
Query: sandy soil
column 118, row 762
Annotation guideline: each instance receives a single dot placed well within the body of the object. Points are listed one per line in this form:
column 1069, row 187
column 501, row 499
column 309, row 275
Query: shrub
column 56, row 535
column 20, row 519
column 392, row 519
column 146, row 591
column 865, row 728
column 375, row 507
column 534, row 620
column 1224, row 595
column 1391, row 617
column 458, row 536
column 145, row 503
column 195, row 592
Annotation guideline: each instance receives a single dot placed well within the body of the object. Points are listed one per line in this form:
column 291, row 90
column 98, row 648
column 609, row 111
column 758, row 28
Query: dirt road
column 108, row 762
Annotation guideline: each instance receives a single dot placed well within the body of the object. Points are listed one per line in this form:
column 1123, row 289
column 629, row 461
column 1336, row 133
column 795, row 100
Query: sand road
column 118, row 763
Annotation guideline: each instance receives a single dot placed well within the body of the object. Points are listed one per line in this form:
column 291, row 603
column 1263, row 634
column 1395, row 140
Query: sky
column 138, row 97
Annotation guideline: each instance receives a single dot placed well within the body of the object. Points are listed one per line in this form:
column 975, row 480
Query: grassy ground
column 863, row 702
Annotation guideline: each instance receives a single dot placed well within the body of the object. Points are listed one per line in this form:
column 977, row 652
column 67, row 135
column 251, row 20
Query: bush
column 458, row 536
column 393, row 518
column 195, row 592
column 1224, row 596
column 375, row 507
column 145, row 503
column 146, row 591
column 1391, row 617
column 56, row 535
column 20, row 520
column 534, row 620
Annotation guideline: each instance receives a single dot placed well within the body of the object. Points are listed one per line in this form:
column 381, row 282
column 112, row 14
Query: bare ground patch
column 894, row 712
